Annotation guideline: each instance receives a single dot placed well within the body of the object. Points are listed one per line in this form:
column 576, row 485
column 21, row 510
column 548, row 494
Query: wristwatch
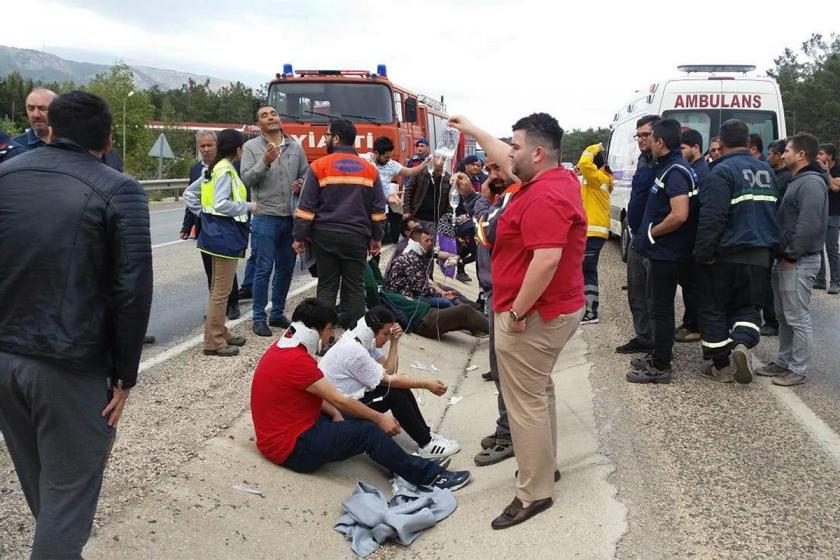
column 516, row 317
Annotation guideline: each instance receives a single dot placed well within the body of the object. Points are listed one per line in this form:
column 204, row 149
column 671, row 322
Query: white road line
column 196, row 340
column 808, row 419
column 181, row 209
column 168, row 243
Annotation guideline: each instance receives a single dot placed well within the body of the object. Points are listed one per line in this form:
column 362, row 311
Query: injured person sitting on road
column 408, row 273
column 358, row 368
column 297, row 412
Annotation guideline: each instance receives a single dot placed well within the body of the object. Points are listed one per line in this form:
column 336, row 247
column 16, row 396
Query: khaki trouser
column 216, row 333
column 526, row 361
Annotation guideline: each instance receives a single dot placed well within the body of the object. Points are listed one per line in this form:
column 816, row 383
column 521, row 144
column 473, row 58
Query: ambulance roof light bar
column 712, row 68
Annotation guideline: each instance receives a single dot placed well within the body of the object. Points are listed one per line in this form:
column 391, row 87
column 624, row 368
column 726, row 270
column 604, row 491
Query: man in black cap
column 421, row 152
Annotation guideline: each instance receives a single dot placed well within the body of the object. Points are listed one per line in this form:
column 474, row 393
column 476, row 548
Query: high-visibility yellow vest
column 239, row 193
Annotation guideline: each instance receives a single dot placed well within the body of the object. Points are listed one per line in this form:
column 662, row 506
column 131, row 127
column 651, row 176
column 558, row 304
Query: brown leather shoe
column 515, row 514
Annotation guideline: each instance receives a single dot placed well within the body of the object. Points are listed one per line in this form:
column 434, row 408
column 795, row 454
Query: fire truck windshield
column 319, row 101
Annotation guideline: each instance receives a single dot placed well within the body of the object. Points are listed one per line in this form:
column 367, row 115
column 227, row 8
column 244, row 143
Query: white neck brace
column 415, row 247
column 302, row 334
column 363, row 333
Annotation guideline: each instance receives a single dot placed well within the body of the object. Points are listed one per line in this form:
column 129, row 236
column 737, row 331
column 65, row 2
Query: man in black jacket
column 76, row 298
column 736, row 237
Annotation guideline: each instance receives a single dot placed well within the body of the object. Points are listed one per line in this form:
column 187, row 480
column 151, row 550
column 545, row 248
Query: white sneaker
column 438, row 448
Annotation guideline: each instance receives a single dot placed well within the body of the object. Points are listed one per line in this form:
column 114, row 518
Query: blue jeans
column 439, row 302
column 327, row 441
column 248, row 280
column 271, row 237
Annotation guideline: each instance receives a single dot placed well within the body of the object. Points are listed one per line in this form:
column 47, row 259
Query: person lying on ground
column 297, row 412
column 417, row 316
column 358, row 368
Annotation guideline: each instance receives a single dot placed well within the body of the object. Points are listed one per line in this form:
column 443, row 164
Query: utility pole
column 125, row 140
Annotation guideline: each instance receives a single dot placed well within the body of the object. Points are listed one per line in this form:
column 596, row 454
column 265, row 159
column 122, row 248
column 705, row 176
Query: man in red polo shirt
column 538, row 298
column 296, row 415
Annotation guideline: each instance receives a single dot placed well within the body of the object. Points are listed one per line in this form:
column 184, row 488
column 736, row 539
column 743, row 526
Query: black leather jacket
column 75, row 262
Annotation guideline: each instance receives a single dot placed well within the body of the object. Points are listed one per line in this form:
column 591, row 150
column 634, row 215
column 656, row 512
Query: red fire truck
column 308, row 99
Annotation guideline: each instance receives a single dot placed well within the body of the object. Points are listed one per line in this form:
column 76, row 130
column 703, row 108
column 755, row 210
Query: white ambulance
column 702, row 98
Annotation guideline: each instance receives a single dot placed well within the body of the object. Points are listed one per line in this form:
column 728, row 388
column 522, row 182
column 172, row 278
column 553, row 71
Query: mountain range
column 45, row 67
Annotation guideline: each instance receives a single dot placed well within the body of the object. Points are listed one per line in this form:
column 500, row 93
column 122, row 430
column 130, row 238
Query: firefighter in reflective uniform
column 595, row 191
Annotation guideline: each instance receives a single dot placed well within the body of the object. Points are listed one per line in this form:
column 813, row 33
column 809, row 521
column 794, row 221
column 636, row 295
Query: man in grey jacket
column 273, row 167
column 803, row 219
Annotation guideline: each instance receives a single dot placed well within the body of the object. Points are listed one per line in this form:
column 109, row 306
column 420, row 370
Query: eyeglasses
column 642, row 135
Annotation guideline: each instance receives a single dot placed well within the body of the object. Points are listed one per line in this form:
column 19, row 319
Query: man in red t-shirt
column 296, row 415
column 538, row 297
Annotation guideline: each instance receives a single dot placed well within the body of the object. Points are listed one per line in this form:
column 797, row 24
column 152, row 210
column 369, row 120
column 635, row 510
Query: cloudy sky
column 492, row 60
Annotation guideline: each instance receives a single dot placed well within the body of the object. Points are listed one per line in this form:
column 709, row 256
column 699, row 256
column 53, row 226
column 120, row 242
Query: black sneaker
column 451, row 480
column 281, row 322
column 487, row 376
column 148, row 339
column 245, row 293
column 633, row 347
column 640, row 364
column 651, row 374
column 819, row 285
column 589, row 318
column 463, row 277
column 260, row 328
column 233, row 312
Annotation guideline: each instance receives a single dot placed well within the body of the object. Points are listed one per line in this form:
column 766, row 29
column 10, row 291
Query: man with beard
column 496, row 193
column 273, row 167
column 538, row 302
column 341, row 214
column 803, row 221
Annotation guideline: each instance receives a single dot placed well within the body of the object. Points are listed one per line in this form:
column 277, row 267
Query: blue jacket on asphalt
column 737, row 208
column 673, row 176
column 639, row 189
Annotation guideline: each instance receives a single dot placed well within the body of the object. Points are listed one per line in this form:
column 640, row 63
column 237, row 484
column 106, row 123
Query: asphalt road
column 709, row 470
column 180, row 296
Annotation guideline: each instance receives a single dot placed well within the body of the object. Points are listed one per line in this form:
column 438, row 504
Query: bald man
column 37, row 103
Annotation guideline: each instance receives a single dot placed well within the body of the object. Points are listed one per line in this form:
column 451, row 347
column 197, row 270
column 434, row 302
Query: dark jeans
column 440, row 302
column 248, row 280
column 832, row 251
column 638, row 271
column 768, row 305
column 271, row 237
column 730, row 296
column 233, row 298
column 327, row 442
column 590, row 271
column 502, row 424
column 688, row 282
column 662, row 287
column 341, row 258
column 403, row 406
column 59, row 443
column 462, row 317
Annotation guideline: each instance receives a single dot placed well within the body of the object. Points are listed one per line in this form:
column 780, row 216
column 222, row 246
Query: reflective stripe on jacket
column 595, row 192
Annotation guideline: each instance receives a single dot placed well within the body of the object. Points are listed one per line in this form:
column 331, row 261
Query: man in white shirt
column 392, row 174
column 358, row 368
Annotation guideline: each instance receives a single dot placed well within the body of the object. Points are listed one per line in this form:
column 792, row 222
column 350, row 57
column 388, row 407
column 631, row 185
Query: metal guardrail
column 176, row 185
